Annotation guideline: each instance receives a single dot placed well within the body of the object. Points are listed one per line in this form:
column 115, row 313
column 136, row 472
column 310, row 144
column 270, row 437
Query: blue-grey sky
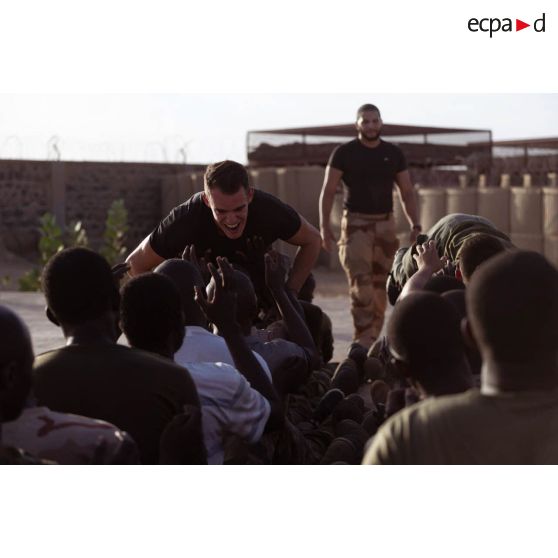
column 211, row 127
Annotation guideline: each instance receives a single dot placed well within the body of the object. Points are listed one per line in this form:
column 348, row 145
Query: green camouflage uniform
column 366, row 249
column 450, row 234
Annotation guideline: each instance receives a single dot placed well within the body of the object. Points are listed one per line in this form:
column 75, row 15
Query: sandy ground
column 11, row 269
column 331, row 296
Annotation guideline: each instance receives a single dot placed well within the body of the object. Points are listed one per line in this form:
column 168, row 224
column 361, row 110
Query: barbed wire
column 176, row 149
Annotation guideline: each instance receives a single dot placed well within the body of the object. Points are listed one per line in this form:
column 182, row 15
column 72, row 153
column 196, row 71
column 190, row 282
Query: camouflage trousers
column 366, row 249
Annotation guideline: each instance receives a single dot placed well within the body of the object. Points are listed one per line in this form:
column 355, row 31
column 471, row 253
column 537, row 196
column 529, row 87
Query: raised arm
column 143, row 258
column 409, row 201
column 221, row 310
column 331, row 182
column 428, row 263
column 308, row 238
column 293, row 320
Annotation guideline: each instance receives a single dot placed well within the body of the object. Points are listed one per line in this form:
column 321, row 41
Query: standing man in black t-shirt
column 368, row 167
column 223, row 220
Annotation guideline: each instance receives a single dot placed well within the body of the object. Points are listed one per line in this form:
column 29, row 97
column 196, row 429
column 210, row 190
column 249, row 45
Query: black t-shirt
column 368, row 174
column 192, row 223
column 137, row 391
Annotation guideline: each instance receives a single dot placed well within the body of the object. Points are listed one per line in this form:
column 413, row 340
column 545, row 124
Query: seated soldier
column 139, row 392
column 449, row 235
column 229, row 405
column 512, row 315
column 40, row 432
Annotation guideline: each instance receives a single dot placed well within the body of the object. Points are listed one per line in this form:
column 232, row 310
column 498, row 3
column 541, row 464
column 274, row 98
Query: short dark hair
column 443, row 283
column 424, row 330
column 79, row 286
column 367, row 108
column 512, row 304
column 227, row 176
column 151, row 312
column 476, row 250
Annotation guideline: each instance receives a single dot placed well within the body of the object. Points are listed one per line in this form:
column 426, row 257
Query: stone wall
column 24, row 197
column 78, row 191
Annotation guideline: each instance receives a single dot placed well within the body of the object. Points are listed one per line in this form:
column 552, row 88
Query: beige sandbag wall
column 432, row 206
column 528, row 215
column 493, row 204
column 550, row 220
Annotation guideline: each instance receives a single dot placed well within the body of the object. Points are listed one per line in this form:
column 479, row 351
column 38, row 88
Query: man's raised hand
column 220, row 306
column 275, row 271
column 427, row 257
column 191, row 256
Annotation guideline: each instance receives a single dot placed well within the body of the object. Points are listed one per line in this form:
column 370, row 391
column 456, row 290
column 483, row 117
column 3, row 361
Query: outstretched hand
column 220, row 307
column 275, row 271
column 255, row 250
column 427, row 257
column 191, row 256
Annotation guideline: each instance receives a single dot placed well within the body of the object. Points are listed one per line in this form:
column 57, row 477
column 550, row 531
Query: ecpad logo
column 493, row 25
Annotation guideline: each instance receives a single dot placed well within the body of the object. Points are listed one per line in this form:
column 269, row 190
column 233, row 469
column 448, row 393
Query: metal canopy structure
column 542, row 143
column 424, row 146
column 348, row 130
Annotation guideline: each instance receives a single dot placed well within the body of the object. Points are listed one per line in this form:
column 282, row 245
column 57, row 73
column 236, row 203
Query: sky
column 200, row 128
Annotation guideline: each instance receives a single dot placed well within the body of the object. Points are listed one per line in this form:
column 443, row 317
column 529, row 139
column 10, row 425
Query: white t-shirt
column 229, row 405
column 200, row 345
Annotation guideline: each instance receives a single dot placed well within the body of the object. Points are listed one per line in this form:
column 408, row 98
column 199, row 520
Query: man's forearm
column 296, row 325
column 143, row 258
column 247, row 364
column 416, row 282
column 303, row 264
column 326, row 204
column 410, row 207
